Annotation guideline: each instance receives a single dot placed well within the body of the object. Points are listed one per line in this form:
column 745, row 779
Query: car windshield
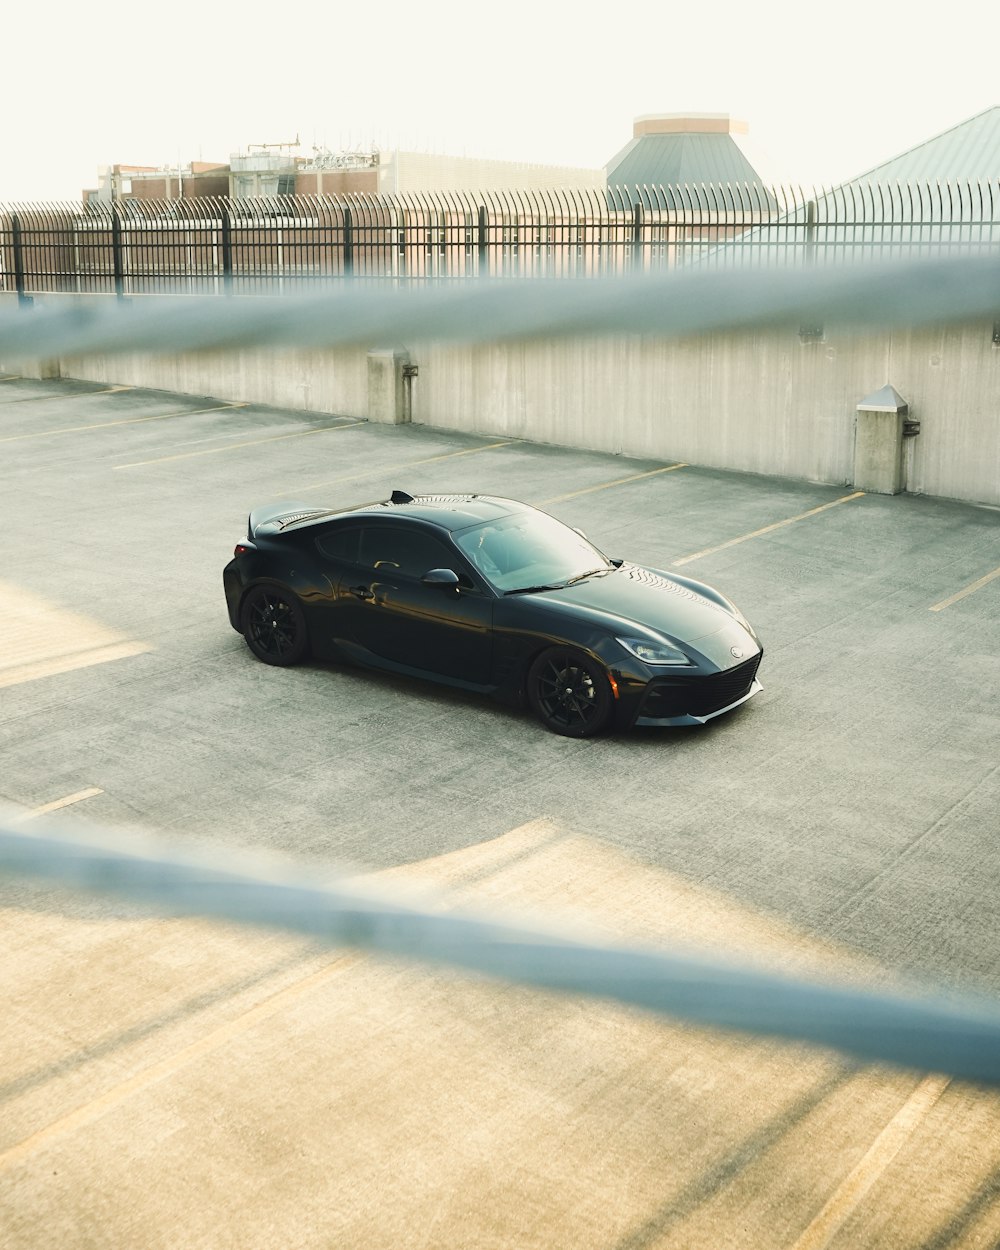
column 530, row 551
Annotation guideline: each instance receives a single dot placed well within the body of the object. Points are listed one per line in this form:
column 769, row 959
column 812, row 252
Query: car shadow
column 440, row 696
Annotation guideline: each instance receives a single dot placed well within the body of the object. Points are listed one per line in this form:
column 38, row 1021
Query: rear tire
column 274, row 626
column 570, row 693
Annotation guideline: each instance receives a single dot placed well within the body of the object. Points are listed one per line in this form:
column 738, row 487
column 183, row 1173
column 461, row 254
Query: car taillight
column 241, row 549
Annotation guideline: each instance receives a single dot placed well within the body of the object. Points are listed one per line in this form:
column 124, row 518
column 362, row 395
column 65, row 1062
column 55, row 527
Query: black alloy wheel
column 274, row 626
column 570, row 693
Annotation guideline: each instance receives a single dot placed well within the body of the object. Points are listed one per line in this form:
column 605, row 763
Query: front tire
column 569, row 693
column 274, row 626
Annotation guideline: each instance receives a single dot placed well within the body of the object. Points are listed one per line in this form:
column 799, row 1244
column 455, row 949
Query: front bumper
column 694, row 700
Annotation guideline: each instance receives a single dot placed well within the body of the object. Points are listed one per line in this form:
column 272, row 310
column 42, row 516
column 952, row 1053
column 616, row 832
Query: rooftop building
column 689, row 150
column 150, row 182
column 268, row 170
column 967, row 152
column 940, row 195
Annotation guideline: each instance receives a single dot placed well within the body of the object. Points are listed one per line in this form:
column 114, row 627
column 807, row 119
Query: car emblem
column 736, row 653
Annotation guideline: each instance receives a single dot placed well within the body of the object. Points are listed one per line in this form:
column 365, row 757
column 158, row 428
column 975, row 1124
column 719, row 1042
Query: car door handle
column 362, row 592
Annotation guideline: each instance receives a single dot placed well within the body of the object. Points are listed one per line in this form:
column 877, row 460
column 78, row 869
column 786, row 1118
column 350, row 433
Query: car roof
column 449, row 512
column 444, row 512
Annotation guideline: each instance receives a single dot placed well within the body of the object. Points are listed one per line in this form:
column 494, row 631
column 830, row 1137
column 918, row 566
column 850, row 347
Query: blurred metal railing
column 929, row 1032
column 674, row 303
column 270, row 246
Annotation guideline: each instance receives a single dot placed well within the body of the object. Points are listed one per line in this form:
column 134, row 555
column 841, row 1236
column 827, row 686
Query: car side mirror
column 441, row 579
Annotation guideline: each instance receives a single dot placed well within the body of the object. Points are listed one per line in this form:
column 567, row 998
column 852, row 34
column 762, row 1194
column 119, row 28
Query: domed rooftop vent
column 673, row 150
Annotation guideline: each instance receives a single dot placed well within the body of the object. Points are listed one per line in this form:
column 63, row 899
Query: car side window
column 396, row 549
column 340, row 545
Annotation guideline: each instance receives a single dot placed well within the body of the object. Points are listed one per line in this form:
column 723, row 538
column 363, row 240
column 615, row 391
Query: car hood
column 633, row 595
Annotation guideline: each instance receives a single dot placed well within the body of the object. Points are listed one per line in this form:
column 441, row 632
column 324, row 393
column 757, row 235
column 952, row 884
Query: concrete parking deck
column 172, row 1083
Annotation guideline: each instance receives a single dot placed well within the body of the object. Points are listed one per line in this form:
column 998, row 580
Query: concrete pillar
column 878, row 442
column 389, row 381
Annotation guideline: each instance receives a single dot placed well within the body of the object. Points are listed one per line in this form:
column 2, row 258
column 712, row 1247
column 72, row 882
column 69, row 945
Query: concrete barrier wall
column 765, row 402
column 951, row 379
column 314, row 381
column 757, row 403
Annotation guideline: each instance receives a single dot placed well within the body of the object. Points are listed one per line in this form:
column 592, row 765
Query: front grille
column 699, row 696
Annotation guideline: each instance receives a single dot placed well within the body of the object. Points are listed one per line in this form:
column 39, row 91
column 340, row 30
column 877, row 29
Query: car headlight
column 654, row 652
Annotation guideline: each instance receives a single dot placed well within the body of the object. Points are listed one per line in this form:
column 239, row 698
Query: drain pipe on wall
column 390, row 385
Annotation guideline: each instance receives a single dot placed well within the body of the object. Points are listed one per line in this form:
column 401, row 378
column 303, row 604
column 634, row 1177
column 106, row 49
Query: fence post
column 637, row 234
column 348, row 243
column 227, row 252
column 811, row 232
column 116, row 252
column 481, row 241
column 17, row 246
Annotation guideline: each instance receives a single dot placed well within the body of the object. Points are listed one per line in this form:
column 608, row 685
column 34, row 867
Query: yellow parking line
column 37, row 399
column 41, row 639
column 619, row 481
column 409, row 464
column 103, row 425
column 710, row 551
column 58, row 804
column 969, row 590
column 253, row 442
column 852, row 1189
column 93, row 1110
column 69, row 661
column 230, row 1030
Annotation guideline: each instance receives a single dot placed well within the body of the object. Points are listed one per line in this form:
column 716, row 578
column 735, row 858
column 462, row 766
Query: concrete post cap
column 888, row 399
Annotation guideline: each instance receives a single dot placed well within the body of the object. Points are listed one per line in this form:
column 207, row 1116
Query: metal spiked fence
column 282, row 244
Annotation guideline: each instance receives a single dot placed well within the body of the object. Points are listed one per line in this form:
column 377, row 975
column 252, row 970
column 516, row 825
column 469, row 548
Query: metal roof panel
column 680, row 159
column 968, row 152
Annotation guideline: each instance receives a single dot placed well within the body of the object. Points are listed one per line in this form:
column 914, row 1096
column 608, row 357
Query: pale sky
column 828, row 89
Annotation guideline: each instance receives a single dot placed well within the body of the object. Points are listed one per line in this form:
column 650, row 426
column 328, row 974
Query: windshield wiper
column 589, row 573
column 530, row 590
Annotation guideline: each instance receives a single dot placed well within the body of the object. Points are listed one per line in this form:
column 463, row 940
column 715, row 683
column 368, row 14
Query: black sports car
column 490, row 595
